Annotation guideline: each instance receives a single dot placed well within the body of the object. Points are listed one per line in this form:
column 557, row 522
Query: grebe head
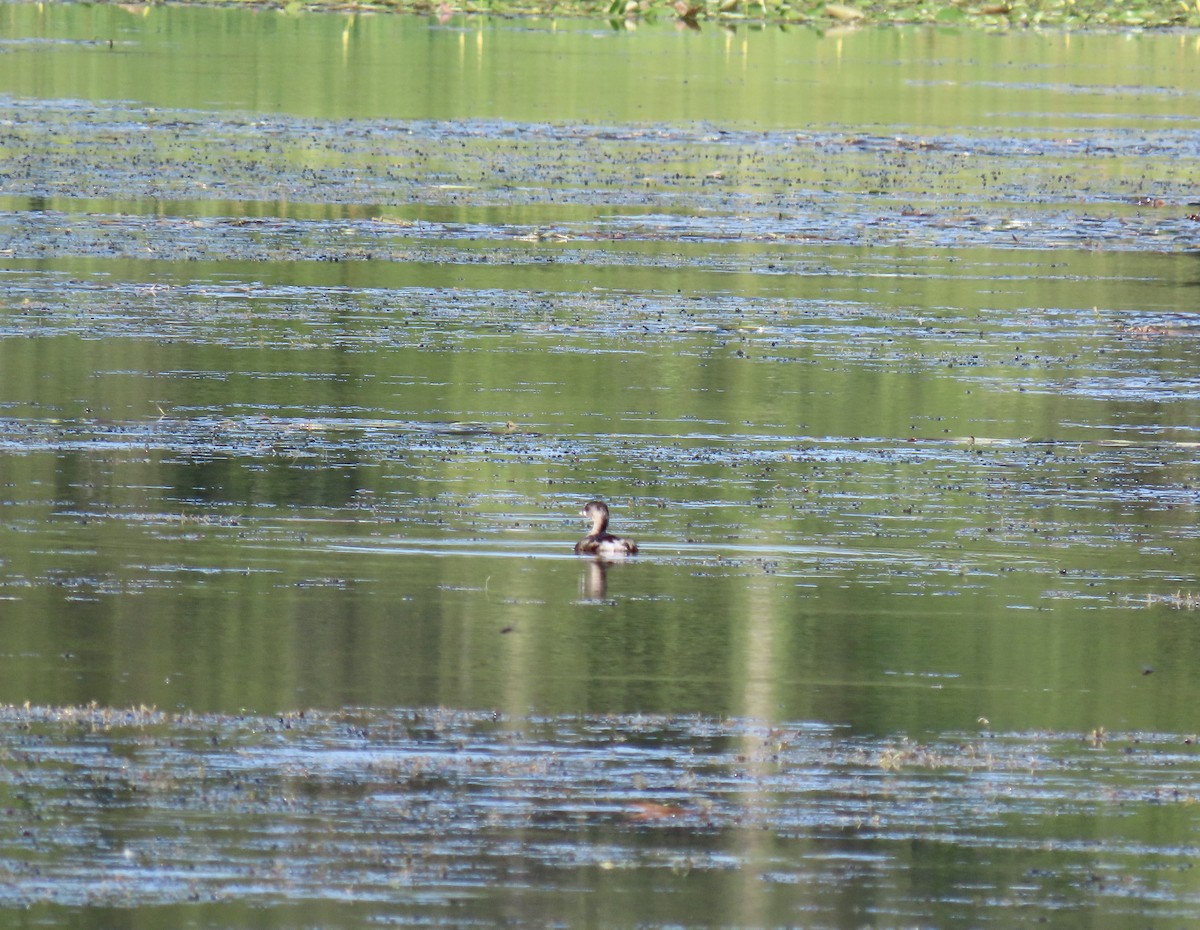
column 597, row 512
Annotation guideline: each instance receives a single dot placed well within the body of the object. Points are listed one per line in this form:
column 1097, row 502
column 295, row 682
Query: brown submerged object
column 599, row 541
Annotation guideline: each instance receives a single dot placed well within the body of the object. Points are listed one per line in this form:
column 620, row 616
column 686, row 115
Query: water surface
column 316, row 332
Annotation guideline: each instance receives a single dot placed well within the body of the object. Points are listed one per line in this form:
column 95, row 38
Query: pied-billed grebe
column 599, row 541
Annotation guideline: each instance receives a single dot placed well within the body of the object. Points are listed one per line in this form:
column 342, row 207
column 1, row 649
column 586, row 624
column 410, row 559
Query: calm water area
column 316, row 333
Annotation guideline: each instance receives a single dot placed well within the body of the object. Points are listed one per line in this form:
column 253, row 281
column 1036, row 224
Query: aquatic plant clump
column 1088, row 14
column 988, row 13
column 139, row 807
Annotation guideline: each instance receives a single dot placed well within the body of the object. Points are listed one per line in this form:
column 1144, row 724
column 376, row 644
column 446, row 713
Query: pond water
column 317, row 331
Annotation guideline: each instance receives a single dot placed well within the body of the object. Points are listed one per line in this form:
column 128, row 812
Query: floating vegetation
column 135, row 806
column 987, row 13
column 1180, row 600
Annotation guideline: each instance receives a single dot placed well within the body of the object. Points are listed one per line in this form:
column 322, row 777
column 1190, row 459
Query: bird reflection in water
column 593, row 583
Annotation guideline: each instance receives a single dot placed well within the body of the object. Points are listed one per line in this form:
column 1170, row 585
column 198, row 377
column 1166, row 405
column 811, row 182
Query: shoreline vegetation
column 988, row 14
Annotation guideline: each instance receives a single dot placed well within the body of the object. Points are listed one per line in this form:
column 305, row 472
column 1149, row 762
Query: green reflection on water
column 406, row 67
